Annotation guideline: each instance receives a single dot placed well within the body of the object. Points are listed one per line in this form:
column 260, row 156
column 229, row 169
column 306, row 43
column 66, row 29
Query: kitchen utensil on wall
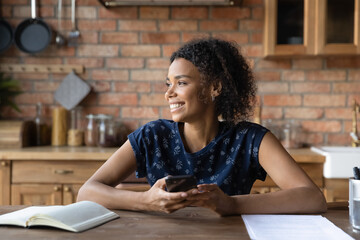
column 71, row 91
column 6, row 33
column 32, row 35
column 59, row 126
column 74, row 33
column 60, row 40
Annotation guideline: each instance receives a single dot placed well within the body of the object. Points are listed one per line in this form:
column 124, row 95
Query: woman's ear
column 216, row 89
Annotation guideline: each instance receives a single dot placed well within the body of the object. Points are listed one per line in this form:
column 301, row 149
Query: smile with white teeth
column 175, row 105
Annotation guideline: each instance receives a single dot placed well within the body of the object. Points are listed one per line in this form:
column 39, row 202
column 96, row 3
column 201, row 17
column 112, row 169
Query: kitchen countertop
column 302, row 155
column 57, row 153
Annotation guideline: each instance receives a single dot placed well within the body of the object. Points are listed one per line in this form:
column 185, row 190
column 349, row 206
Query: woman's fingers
column 207, row 187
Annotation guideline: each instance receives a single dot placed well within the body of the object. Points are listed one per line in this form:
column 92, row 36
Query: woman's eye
column 181, row 83
column 167, row 85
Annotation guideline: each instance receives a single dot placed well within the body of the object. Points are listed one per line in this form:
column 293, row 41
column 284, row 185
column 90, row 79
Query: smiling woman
column 207, row 79
column 184, row 92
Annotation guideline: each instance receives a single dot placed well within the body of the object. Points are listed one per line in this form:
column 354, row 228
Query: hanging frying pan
column 6, row 33
column 33, row 34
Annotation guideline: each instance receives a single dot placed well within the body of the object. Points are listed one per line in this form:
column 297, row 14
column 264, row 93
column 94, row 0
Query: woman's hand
column 157, row 199
column 212, row 197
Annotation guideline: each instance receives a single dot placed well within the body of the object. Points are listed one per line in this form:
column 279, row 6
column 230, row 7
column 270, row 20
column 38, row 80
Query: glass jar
column 290, row 137
column 106, row 131
column 91, row 131
column 75, row 132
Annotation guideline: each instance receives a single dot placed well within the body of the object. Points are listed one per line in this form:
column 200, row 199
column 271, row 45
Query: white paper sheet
column 279, row 227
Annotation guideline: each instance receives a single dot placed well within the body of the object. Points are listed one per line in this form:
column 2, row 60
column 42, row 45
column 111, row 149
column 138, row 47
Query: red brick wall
column 125, row 54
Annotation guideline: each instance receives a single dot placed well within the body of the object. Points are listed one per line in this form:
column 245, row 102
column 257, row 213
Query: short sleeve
column 257, row 135
column 136, row 139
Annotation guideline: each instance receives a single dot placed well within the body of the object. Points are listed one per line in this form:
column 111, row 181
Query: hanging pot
column 6, row 34
column 32, row 35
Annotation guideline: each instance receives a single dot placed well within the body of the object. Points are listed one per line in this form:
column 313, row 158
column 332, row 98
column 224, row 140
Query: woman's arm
column 100, row 187
column 298, row 193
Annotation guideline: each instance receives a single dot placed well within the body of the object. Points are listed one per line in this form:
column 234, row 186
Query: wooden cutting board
column 17, row 134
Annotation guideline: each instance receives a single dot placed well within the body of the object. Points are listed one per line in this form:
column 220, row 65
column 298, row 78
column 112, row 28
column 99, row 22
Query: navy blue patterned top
column 230, row 160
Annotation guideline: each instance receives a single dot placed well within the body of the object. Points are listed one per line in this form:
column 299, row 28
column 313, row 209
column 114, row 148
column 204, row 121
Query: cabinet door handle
column 57, row 188
column 3, row 164
column 63, row 171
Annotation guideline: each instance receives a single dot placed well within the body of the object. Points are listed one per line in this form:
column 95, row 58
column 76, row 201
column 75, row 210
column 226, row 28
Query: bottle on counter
column 75, row 135
column 59, row 128
column 91, row 131
column 42, row 129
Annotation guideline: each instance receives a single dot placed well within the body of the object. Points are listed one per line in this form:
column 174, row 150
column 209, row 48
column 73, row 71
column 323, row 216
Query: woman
column 208, row 79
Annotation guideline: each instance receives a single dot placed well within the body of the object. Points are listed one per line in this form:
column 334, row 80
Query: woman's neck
column 196, row 136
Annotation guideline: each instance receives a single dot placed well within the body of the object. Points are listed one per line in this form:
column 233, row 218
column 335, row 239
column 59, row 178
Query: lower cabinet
column 49, row 182
column 52, row 182
column 336, row 190
column 5, row 173
column 313, row 170
column 43, row 194
column 55, row 181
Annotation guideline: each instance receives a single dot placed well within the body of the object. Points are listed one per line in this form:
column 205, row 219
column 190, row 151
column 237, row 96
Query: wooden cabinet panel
column 36, row 194
column 70, row 193
column 313, row 170
column 5, row 168
column 53, row 171
column 325, row 25
column 333, row 20
column 271, row 45
column 336, row 190
column 52, row 176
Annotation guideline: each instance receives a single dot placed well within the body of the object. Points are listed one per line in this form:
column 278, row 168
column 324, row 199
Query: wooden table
column 188, row 223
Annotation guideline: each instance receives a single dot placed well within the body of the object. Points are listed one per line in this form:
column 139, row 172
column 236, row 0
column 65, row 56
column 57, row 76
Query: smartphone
column 180, row 183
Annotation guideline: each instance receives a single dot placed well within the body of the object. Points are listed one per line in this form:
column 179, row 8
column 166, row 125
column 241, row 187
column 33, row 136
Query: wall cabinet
column 311, row 27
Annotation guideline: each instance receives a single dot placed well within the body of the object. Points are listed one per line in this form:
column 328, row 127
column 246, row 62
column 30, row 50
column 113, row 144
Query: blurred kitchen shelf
column 41, row 68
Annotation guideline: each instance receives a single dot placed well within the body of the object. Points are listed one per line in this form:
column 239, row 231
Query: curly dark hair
column 220, row 61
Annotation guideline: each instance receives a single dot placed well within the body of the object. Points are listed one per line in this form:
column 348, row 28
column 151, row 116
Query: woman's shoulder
column 250, row 126
column 163, row 125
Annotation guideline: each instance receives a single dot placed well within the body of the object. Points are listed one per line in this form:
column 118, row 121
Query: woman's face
column 184, row 91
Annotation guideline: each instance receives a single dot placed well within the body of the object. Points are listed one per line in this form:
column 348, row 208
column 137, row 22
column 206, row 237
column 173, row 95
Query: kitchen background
column 125, row 53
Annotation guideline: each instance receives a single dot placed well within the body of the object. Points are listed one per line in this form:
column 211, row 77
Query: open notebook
column 76, row 217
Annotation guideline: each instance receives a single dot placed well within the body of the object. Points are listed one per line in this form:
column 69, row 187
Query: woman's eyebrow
column 179, row 77
column 182, row 76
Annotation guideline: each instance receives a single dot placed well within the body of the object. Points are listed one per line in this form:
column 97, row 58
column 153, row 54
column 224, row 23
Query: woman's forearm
column 111, row 197
column 295, row 200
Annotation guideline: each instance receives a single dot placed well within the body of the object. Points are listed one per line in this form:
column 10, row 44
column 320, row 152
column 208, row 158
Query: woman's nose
column 169, row 92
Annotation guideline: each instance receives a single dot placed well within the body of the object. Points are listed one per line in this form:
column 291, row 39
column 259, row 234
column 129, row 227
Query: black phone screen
column 180, row 183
